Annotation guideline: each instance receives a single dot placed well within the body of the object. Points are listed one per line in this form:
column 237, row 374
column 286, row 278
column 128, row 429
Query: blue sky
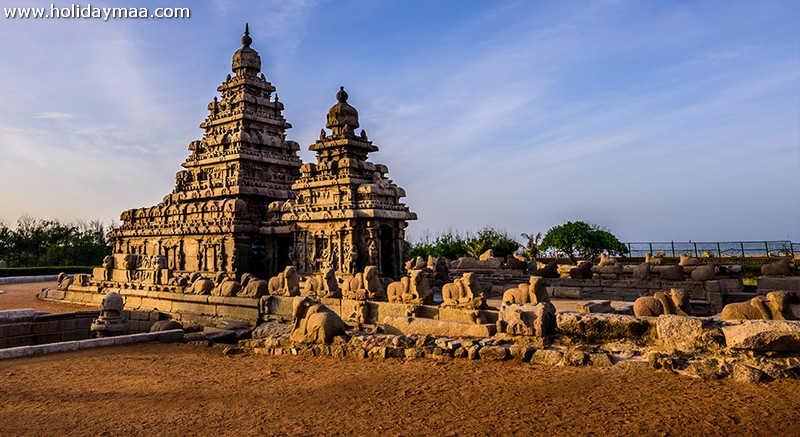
column 658, row 120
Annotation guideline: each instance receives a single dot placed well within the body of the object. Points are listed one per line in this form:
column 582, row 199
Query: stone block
column 745, row 373
column 17, row 316
column 787, row 283
column 194, row 298
column 600, row 360
column 764, row 335
column 598, row 328
column 565, row 292
column 192, row 308
column 595, row 306
column 388, row 309
column 547, row 357
column 460, row 315
column 245, row 314
column 15, row 329
column 494, row 353
column 398, row 325
column 679, row 332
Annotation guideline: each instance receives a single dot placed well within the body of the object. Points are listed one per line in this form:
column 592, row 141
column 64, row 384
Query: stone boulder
column 537, row 320
column 600, row 328
column 399, row 325
column 582, row 271
column 777, row 268
column 549, row 270
column 642, row 271
column 704, row 273
column 670, row 273
column 764, row 335
column 680, row 332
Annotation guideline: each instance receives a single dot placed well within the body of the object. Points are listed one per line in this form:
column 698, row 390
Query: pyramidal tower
column 347, row 213
column 213, row 219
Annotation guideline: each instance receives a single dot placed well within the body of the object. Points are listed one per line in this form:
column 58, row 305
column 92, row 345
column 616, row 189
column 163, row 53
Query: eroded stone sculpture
column 313, row 322
column 675, row 301
column 110, row 322
column 365, row 285
column 253, row 287
column 773, row 306
column 464, row 292
column 777, row 268
column 286, row 283
column 322, row 284
column 412, row 289
column 535, row 291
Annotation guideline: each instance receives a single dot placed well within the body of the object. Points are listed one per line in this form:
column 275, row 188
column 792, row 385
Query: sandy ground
column 175, row 389
column 18, row 296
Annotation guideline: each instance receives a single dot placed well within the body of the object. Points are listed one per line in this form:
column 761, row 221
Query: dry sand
column 175, row 389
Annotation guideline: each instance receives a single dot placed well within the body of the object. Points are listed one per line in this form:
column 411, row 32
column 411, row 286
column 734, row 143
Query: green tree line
column 53, row 243
column 575, row 240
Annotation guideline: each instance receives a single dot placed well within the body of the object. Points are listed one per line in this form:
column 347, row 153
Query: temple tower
column 212, row 221
column 347, row 213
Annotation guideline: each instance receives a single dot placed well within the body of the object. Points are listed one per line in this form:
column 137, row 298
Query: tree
column 581, row 240
column 531, row 249
column 453, row 246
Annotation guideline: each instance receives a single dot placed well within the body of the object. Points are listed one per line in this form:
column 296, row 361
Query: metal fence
column 715, row 248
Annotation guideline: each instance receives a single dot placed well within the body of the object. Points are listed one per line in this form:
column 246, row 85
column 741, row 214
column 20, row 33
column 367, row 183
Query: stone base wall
column 26, row 327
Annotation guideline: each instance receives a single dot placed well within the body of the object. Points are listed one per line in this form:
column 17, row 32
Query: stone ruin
column 252, row 236
column 245, row 203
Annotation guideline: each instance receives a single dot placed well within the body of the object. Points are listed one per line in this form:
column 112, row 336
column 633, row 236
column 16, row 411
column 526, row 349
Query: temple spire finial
column 246, row 40
column 341, row 96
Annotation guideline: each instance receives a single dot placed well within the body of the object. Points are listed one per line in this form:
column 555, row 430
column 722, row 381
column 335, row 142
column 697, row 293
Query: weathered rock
column 688, row 260
column 549, row 270
column 679, row 332
column 642, row 272
column 575, row 357
column 764, row 335
column 675, row 301
column 528, row 319
column 494, row 353
column 165, row 325
column 745, row 373
column 598, row 328
column 600, row 360
column 671, row 273
column 314, row 322
column 704, row 273
column 594, row 306
column 707, row 369
column 399, row 325
column 777, row 268
column 521, row 352
column 547, row 357
column 582, row 271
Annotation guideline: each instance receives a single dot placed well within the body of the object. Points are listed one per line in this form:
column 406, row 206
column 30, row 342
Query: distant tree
column 53, row 243
column 453, row 245
column 531, row 248
column 581, row 240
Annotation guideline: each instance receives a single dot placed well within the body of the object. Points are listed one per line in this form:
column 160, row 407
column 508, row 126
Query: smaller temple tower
column 347, row 214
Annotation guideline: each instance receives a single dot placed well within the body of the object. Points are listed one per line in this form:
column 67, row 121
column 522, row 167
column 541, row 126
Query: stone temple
column 245, row 203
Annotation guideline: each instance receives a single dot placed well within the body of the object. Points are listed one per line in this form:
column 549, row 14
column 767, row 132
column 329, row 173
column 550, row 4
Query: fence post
column 695, row 249
column 741, row 243
column 719, row 251
column 673, row 248
column 766, row 248
column 629, row 249
column 651, row 249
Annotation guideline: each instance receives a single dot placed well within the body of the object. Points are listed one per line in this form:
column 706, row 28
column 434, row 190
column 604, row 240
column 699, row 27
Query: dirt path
column 173, row 389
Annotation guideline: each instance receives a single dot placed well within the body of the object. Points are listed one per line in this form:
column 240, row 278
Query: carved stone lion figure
column 287, row 283
column 686, row 259
column 607, row 260
column 549, row 270
column 773, row 306
column 314, row 322
column 226, row 286
column 412, row 289
column 200, row 284
column 777, row 268
column 366, row 285
column 582, row 271
column 654, row 260
column 64, row 281
column 323, row 284
column 675, row 301
column 253, row 287
column 464, row 292
column 535, row 291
